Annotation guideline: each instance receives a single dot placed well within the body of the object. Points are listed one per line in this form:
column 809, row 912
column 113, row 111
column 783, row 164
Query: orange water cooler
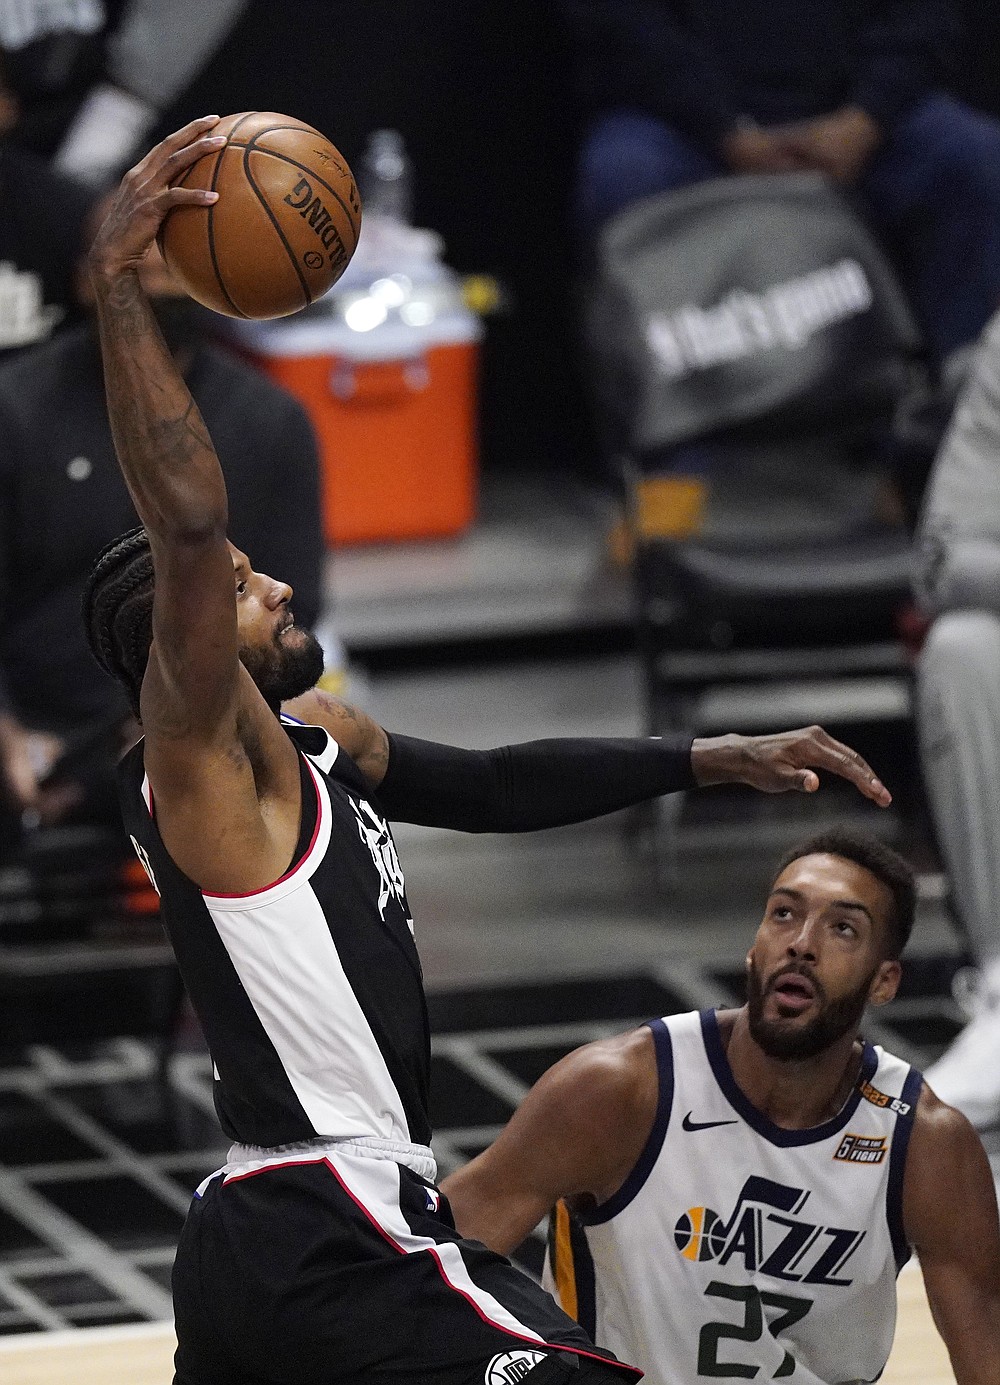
column 394, row 405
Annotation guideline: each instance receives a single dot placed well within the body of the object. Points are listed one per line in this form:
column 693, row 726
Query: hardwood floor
column 142, row 1355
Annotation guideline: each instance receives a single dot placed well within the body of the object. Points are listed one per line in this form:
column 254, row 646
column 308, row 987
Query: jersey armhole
column 633, row 1184
column 897, row 1167
column 314, row 741
column 569, row 1274
column 312, row 828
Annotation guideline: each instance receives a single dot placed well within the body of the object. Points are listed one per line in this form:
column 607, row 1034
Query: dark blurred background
column 483, row 95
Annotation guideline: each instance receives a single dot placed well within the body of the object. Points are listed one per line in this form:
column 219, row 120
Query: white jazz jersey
column 739, row 1250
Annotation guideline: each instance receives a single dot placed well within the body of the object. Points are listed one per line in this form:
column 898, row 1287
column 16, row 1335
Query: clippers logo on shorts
column 877, row 1098
column 375, row 834
column 766, row 1233
column 512, row 1366
column 862, row 1149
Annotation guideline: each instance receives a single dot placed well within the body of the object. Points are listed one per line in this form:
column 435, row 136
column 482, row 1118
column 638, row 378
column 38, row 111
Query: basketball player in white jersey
column 321, row 1253
column 735, row 1191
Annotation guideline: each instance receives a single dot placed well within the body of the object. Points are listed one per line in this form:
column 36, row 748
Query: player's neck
column 793, row 1094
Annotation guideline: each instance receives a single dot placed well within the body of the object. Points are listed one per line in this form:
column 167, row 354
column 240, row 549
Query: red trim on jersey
column 387, row 1236
column 297, row 866
column 266, row 1168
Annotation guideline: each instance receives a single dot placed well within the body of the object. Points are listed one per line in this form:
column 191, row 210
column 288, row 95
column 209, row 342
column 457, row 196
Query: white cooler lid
column 329, row 336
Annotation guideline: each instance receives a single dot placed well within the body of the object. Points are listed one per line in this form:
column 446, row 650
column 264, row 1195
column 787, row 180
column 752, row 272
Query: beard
column 783, row 1040
column 284, row 670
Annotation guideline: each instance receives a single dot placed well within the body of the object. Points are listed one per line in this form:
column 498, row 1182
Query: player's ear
column 885, row 983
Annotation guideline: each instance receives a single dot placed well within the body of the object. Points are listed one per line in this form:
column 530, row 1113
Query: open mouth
column 794, row 991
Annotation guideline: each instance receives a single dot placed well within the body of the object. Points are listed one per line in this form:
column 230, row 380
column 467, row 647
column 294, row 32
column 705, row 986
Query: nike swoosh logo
column 688, row 1124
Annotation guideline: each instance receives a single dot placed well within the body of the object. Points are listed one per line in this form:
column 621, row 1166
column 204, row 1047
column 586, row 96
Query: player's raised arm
column 214, row 749
column 166, row 455
column 950, row 1217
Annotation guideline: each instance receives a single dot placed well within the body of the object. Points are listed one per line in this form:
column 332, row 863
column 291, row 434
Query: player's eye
column 845, row 929
column 241, row 588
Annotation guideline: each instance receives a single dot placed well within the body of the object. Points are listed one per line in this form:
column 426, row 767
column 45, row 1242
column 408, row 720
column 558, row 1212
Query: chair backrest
column 744, row 301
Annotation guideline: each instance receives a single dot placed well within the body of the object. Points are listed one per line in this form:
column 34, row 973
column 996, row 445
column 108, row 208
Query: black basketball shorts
column 347, row 1269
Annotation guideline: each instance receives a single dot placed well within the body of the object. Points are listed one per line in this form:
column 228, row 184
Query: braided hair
column 118, row 610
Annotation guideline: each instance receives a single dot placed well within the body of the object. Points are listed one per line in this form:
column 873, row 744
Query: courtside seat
column 750, row 349
column 711, row 615
column 781, row 613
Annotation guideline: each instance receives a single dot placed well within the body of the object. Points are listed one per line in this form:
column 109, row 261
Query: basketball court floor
column 531, row 946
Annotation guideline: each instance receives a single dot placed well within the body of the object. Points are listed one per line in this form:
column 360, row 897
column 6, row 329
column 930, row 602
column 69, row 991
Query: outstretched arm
column 950, row 1217
column 521, row 788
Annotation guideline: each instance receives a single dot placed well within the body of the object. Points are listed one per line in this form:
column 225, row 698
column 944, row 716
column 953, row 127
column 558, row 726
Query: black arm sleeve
column 521, row 788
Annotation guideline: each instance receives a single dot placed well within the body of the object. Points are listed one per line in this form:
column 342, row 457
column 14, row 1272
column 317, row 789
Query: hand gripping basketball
column 283, row 228
column 148, row 193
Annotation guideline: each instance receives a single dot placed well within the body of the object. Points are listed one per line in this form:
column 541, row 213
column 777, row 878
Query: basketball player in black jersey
column 322, row 1252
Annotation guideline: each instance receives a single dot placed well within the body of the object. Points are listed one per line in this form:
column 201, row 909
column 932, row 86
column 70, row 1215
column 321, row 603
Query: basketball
column 283, row 229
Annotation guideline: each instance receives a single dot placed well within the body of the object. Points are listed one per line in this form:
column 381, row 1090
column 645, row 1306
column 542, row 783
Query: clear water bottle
column 387, row 177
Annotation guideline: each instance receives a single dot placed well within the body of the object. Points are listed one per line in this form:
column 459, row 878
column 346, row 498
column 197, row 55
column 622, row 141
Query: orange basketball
column 284, row 228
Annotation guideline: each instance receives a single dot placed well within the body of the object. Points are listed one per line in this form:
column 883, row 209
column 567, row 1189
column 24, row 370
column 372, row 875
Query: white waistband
column 247, row 1159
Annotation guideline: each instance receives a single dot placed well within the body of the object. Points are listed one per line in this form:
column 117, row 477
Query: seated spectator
column 43, row 231
column 97, row 76
column 62, row 498
column 959, row 712
column 680, row 92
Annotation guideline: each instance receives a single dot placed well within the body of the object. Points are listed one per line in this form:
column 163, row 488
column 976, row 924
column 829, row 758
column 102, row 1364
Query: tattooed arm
column 224, row 773
column 362, row 738
column 165, row 453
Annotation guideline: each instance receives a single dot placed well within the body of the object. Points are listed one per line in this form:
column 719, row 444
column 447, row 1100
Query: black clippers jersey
column 309, row 991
